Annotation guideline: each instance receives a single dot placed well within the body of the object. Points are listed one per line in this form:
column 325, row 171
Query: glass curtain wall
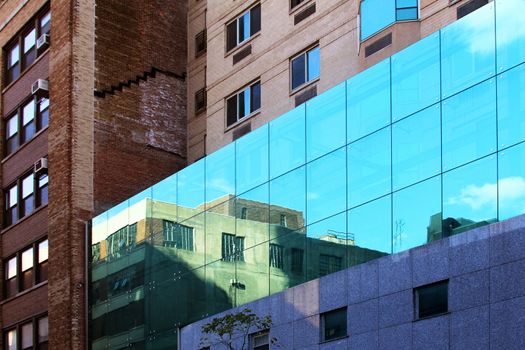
column 426, row 144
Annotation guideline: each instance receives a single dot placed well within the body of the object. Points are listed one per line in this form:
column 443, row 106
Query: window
column 28, row 203
column 22, row 336
column 22, row 51
column 244, row 213
column 232, row 248
column 283, row 221
column 177, row 235
column 295, row 3
column 276, row 256
column 329, row 264
column 119, row 241
column 297, row 260
column 243, row 103
column 333, row 324
column 305, row 67
column 200, row 43
column 25, row 122
column 42, row 190
column 379, row 14
column 200, row 100
column 12, row 205
column 20, row 271
column 431, row 299
column 260, row 341
column 243, row 27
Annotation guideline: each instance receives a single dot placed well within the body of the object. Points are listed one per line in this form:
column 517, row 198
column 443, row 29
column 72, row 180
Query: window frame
column 253, row 111
column 35, row 323
column 236, row 255
column 259, row 334
column 322, row 323
column 307, row 81
column 417, row 300
column 238, row 42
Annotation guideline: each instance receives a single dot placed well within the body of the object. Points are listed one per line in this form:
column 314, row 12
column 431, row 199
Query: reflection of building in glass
column 152, row 272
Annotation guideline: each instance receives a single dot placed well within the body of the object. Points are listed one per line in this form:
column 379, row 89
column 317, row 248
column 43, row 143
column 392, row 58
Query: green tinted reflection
column 416, row 152
column 417, row 215
column 415, row 77
column 165, row 198
column 252, row 213
column 469, row 125
column 468, row 51
column 287, row 259
column 326, row 122
column 252, row 159
column 469, row 196
column 511, row 107
column 288, row 197
column 369, row 226
column 220, row 220
column 369, row 162
column 510, row 33
column 511, row 182
column 220, row 175
column 220, row 293
column 325, row 186
column 368, row 100
column 287, row 141
column 252, row 274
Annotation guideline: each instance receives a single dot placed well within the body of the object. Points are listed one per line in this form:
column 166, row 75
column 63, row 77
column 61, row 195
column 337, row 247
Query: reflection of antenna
column 398, row 234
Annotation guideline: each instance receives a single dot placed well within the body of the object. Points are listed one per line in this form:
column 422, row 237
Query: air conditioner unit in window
column 42, row 42
column 40, row 88
column 40, row 166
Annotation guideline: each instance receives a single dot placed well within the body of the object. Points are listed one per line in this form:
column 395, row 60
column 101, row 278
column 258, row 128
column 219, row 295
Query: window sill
column 25, row 70
column 430, row 317
column 242, row 120
column 24, row 292
column 24, row 145
column 304, row 86
column 242, row 45
column 299, row 7
column 25, row 218
column 335, row 339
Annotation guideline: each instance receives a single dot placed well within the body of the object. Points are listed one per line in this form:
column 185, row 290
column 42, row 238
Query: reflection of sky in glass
column 252, row 159
column 413, row 208
column 27, row 259
column 375, row 15
column 511, row 106
column 220, row 173
column 314, row 63
column 289, row 190
column 510, row 33
column 166, row 190
column 334, row 226
column 43, row 251
column 326, row 122
column 190, row 185
column 512, row 182
column 470, row 192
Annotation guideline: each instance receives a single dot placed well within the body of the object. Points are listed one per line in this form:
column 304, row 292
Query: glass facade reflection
column 426, row 144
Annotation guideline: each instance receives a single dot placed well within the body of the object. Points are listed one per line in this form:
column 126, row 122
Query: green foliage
column 226, row 329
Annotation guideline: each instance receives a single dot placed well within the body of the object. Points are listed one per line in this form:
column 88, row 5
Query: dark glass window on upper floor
column 243, row 103
column 26, row 268
column 26, row 194
column 333, row 324
column 25, row 47
column 295, row 3
column 32, row 334
column 379, row 14
column 432, row 299
column 243, row 27
column 305, row 67
column 22, row 125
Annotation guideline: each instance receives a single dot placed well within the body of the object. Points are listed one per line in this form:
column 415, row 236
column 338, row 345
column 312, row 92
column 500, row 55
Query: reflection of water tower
column 397, row 239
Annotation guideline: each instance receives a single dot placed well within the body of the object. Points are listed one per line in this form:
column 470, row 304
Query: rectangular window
column 295, row 3
column 28, row 203
column 11, row 340
column 43, row 255
column 243, row 103
column 379, row 14
column 431, row 299
column 200, row 100
column 28, row 121
column 177, row 236
column 119, row 241
column 43, row 190
column 27, row 336
column 200, row 43
column 329, row 264
column 276, row 256
column 283, row 221
column 12, row 205
column 11, row 277
column 13, row 63
column 29, row 47
column 406, row 10
column 297, row 260
column 43, row 112
column 243, row 27
column 333, row 324
column 260, row 341
column 232, row 248
column 45, row 23
column 27, row 268
column 43, row 333
column 305, row 67
column 12, row 134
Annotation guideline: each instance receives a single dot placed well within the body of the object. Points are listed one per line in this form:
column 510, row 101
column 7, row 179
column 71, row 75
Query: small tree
column 226, row 329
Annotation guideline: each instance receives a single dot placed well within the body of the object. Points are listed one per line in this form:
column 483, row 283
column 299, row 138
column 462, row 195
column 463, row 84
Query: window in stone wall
column 232, row 248
column 431, row 300
column 333, row 324
column 243, row 103
column 177, row 235
column 243, row 27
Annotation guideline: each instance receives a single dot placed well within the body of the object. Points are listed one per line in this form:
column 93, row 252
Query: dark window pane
column 45, row 23
column 231, row 110
column 432, row 299
column 329, row 264
column 243, row 106
column 255, row 24
column 255, row 97
column 13, row 73
column 334, row 324
column 43, row 110
column 297, row 260
column 231, row 35
column 298, row 71
column 295, row 3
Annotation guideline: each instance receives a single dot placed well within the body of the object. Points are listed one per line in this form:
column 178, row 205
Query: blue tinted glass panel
column 367, row 231
column 406, row 3
column 368, row 100
column 326, row 122
column 369, row 170
column 298, row 71
column 376, row 15
column 469, row 125
column 469, row 196
column 415, row 77
column 325, row 185
column 288, row 196
column 246, row 110
column 244, row 27
column 314, row 64
column 190, row 189
column 510, row 33
column 511, row 182
column 511, row 107
column 287, row 141
column 293, row 243
column 252, row 159
column 165, row 197
column 220, row 175
column 406, row 14
column 417, row 215
column 467, row 51
column 252, row 213
column 416, row 147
